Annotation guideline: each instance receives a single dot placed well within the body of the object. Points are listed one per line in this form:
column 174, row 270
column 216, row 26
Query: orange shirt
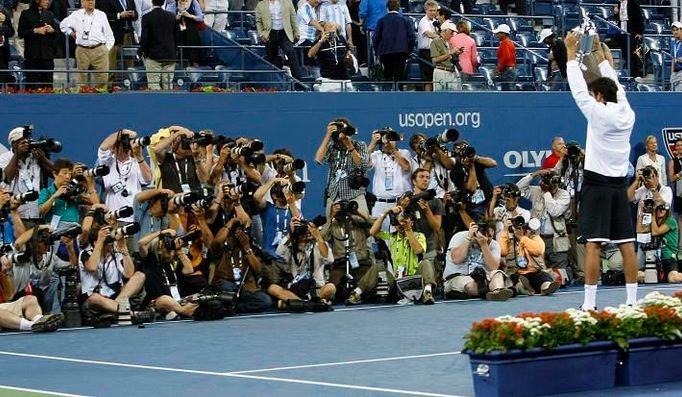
column 506, row 55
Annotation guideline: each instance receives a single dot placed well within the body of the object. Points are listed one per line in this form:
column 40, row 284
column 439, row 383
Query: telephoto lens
column 297, row 164
column 296, row 187
column 123, row 212
column 100, row 170
column 125, row 231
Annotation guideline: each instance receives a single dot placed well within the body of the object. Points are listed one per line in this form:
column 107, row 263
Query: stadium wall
column 514, row 128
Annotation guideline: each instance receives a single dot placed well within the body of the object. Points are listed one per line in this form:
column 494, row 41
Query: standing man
column 94, row 39
column 337, row 12
column 308, row 26
column 121, row 15
column 394, row 41
column 506, row 58
column 425, row 33
column 277, row 27
column 676, row 50
column 556, row 67
column 558, row 152
column 446, row 75
column 158, row 46
column 605, row 212
column 38, row 28
column 370, row 13
column 629, row 17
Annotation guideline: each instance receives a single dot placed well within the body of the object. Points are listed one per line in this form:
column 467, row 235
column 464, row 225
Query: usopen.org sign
column 670, row 135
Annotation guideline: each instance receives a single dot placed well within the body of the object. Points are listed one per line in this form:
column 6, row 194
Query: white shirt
column 389, row 179
column 641, row 194
column 91, row 29
column 473, row 259
column 126, row 174
column 337, row 13
column 142, row 7
column 110, row 272
column 623, row 13
column 276, row 14
column 501, row 214
column 425, row 25
column 545, row 205
column 27, row 178
column 300, row 269
column 644, row 161
column 609, row 126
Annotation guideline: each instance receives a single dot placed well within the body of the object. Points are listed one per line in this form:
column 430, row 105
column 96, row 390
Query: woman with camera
column 524, row 251
column 330, row 49
column 664, row 228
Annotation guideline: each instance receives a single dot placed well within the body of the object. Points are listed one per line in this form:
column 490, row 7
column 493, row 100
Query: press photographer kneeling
column 660, row 255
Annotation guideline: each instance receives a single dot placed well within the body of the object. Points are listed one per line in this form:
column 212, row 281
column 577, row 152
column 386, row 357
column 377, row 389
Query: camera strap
column 177, row 167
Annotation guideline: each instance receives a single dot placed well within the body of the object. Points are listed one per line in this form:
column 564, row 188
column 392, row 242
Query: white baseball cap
column 677, row 25
column 503, row 27
column 15, row 134
column 448, row 25
column 544, row 33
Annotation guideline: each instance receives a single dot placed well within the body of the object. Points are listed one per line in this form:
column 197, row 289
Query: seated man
column 472, row 266
column 407, row 247
column 664, row 229
column 23, row 314
column 510, row 193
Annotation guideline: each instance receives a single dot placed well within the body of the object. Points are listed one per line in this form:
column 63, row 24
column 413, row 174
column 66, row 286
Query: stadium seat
column 519, row 24
column 413, row 73
column 137, row 78
column 479, row 38
column 203, row 75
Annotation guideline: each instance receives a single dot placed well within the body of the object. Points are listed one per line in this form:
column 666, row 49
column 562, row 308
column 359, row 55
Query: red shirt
column 550, row 161
column 506, row 55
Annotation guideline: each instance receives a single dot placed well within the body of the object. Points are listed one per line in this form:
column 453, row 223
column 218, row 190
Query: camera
column 295, row 188
column 389, row 135
column 551, row 179
column 185, row 199
column 73, row 189
column 482, row 227
column 347, row 207
column 203, row 139
column 18, row 258
column 648, row 172
column 23, row 198
column 71, row 232
column 465, row 151
column 518, row 222
column 510, row 191
column 573, row 151
column 125, row 142
column 100, row 170
column 124, row 231
column 255, row 158
column 47, row 145
column 295, row 165
column 302, row 227
column 425, row 195
column 245, row 189
column 169, row 242
column 460, row 196
column 648, row 206
column 205, row 202
column 358, row 180
column 449, row 135
column 342, row 128
column 123, row 212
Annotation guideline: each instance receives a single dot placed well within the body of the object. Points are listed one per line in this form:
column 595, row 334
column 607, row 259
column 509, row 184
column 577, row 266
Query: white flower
column 658, row 299
column 580, row 317
column 625, row 312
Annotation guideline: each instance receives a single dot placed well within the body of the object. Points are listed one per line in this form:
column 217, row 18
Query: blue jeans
column 248, row 302
column 507, row 79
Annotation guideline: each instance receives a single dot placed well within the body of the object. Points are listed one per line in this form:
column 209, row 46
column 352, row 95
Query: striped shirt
column 305, row 15
column 337, row 13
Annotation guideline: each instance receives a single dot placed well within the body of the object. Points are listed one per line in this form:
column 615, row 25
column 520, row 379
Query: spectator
column 216, row 13
column 426, row 32
column 446, row 76
column 278, row 29
column 158, row 45
column 128, row 170
column 653, row 159
column 676, row 64
column 18, row 8
column 38, row 28
column 142, row 7
column 94, row 39
column 558, row 152
column 338, row 13
column 556, row 67
column 506, row 73
column 468, row 59
column 308, row 25
column 6, row 31
column 24, row 170
column 121, row 14
column 394, row 41
column 331, row 48
column 371, row 11
column 188, row 16
column 628, row 15
column 443, row 15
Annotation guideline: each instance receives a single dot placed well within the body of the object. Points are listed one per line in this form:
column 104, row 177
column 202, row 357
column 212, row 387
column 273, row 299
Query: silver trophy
column 587, row 30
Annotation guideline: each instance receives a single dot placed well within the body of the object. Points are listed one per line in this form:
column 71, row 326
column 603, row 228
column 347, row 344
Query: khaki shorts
column 13, row 307
column 458, row 283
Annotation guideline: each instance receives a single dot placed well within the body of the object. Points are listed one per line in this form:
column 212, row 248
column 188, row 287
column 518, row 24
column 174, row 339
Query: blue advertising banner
column 516, row 129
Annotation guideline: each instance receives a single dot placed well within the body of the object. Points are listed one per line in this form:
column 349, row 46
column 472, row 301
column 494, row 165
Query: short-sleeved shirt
column 389, row 179
column 27, row 178
column 122, row 174
column 306, row 14
column 421, row 224
column 438, row 48
column 402, row 253
column 425, row 25
column 109, row 273
column 473, row 259
column 670, row 239
column 67, row 210
column 337, row 13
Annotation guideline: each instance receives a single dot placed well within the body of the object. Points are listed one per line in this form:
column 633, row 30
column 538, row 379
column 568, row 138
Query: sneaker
column 48, row 323
column 171, row 316
column 551, row 288
column 523, row 287
column 141, row 317
column 499, row 295
column 353, row 299
column 587, row 310
column 427, row 298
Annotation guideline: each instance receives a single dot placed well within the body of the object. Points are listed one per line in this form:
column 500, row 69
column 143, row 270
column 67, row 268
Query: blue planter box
column 536, row 372
column 650, row 360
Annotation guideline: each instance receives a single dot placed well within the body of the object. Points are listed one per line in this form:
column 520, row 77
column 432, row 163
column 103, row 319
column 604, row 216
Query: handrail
column 628, row 49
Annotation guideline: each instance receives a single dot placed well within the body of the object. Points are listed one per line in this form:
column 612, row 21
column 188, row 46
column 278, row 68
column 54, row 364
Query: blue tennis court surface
column 358, row 351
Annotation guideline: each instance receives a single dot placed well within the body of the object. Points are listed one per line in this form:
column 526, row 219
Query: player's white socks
column 631, row 291
column 590, row 301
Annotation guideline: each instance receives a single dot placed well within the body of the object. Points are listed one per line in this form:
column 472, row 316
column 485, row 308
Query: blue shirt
column 67, row 210
column 148, row 223
column 275, row 221
column 371, row 11
column 306, row 14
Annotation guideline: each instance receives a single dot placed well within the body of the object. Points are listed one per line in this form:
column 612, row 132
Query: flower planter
column 536, row 372
column 650, row 360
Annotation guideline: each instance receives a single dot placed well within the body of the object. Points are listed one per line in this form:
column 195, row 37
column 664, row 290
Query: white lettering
column 445, row 119
column 537, row 157
column 512, row 159
column 525, row 158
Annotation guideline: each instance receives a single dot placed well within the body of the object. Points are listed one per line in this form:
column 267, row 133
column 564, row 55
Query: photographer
column 25, row 169
column 391, row 170
column 330, row 48
column 196, row 280
column 122, row 153
column 277, row 215
column 235, row 256
column 159, row 252
column 12, row 225
column 60, row 202
column 23, row 314
column 108, row 277
column 507, row 195
column 472, row 267
column 182, row 165
column 446, row 73
column 664, row 227
column 407, row 250
column 430, row 155
column 571, row 170
column 427, row 210
column 154, row 211
column 524, row 252
column 550, row 205
column 347, row 161
column 229, row 166
column 474, row 174
column 39, row 274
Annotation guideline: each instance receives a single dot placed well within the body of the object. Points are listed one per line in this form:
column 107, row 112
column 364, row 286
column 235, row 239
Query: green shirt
column 401, row 252
column 670, row 239
column 67, row 210
column 440, row 47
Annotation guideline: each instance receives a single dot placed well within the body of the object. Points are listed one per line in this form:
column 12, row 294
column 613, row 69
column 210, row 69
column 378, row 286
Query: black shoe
column 141, row 317
column 48, row 323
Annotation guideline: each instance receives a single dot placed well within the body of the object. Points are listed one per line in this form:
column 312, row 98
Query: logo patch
column 670, row 135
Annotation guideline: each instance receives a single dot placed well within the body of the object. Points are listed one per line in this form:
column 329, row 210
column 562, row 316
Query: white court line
column 332, row 364
column 51, row 393
column 226, row 375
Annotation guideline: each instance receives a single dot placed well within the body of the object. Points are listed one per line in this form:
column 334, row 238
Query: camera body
column 648, row 172
column 343, row 128
column 358, row 180
column 449, row 135
column 464, row 151
column 347, row 207
column 648, row 206
column 50, row 238
column 389, row 135
column 551, row 179
column 510, row 191
column 573, row 152
column 169, row 242
column 47, row 145
column 297, row 164
column 126, row 142
column 302, row 227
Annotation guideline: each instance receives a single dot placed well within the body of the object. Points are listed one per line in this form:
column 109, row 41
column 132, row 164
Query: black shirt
column 331, row 56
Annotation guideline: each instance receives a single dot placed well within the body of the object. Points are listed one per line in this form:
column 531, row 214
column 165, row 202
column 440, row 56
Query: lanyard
column 286, row 214
column 177, row 167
